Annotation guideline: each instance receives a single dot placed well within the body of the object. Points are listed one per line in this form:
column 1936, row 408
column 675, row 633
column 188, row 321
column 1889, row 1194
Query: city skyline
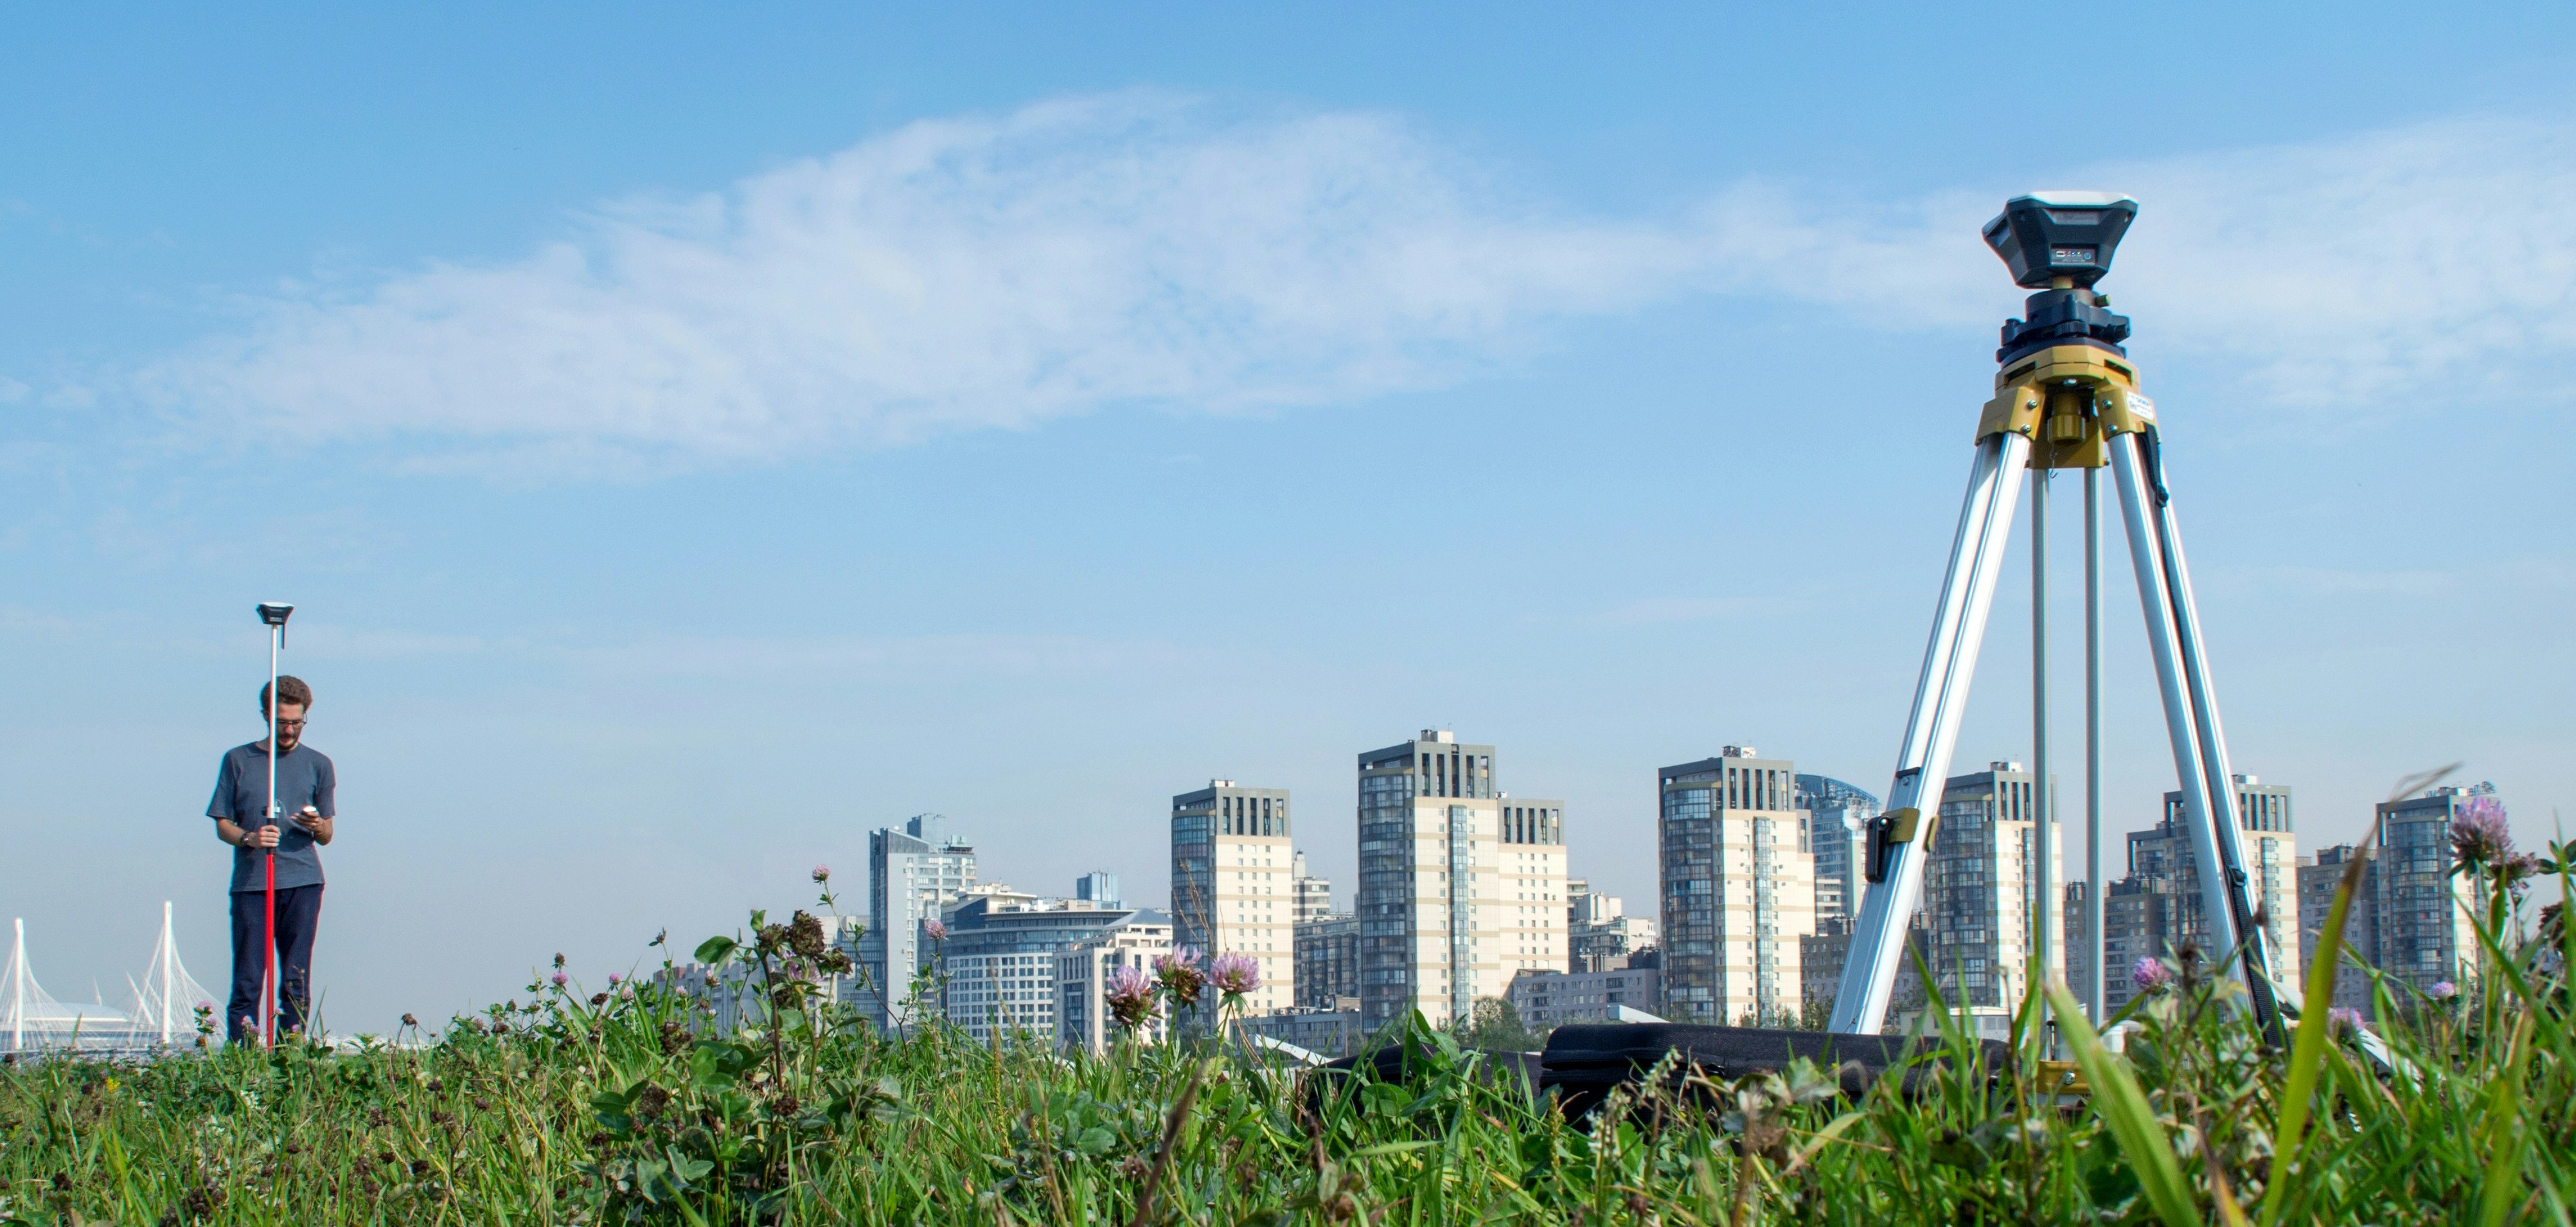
column 940, row 865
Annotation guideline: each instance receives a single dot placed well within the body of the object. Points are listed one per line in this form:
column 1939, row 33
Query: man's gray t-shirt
column 304, row 777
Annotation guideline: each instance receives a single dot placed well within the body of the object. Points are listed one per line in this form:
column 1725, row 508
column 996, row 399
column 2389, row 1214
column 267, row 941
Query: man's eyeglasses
column 290, row 724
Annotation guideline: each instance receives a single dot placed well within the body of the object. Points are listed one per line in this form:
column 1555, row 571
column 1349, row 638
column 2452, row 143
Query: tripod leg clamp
column 1896, row 826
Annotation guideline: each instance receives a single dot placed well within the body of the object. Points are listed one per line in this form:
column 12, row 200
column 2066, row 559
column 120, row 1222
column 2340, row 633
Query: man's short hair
column 290, row 689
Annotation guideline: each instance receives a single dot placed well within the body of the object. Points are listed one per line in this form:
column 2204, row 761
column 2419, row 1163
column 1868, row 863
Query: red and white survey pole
column 274, row 614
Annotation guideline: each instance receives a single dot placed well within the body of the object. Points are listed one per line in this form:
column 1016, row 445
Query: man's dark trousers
column 298, row 908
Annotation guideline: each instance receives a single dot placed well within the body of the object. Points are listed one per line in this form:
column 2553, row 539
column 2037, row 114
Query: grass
column 611, row 1108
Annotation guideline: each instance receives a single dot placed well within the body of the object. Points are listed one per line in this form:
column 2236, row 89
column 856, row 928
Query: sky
column 695, row 438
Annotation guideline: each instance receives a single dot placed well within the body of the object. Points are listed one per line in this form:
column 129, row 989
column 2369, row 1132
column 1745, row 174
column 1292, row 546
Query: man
column 240, row 810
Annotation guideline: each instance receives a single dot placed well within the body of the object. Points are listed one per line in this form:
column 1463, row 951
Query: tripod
column 2066, row 396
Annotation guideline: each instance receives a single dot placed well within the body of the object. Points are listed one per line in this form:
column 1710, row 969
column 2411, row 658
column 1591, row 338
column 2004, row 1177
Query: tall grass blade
column 2316, row 1006
column 2308, row 1048
column 2122, row 1106
column 2504, row 1132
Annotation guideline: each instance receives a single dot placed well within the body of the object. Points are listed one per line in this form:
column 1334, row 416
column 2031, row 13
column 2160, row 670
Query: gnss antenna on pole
column 2066, row 397
column 274, row 615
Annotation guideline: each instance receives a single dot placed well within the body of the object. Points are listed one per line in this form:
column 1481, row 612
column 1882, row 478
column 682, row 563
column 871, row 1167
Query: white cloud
column 1138, row 248
column 2364, row 269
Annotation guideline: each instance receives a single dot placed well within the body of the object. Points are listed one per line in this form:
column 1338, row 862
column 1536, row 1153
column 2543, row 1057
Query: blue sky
column 695, row 440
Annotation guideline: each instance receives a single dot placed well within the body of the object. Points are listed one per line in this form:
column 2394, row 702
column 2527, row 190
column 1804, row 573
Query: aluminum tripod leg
column 2191, row 717
column 2044, row 907
column 1932, row 729
column 2093, row 947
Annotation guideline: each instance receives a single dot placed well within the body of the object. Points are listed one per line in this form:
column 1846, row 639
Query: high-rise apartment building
column 1461, row 887
column 2319, row 877
column 2141, row 919
column 2427, row 928
column 2271, row 869
column 1838, row 816
column 1979, row 894
column 913, row 875
column 2079, row 946
column 2157, row 908
column 1314, row 895
column 1233, row 888
column 1738, row 889
column 1600, row 934
column 1328, row 962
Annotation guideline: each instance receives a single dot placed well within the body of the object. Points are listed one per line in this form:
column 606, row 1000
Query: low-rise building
column 725, row 996
column 1314, row 896
column 1083, row 1019
column 997, row 968
column 1599, row 931
column 1547, row 999
column 1327, row 1033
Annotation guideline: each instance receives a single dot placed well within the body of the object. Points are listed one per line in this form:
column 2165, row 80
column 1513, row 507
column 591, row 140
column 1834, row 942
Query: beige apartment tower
column 1738, row 890
column 1461, row 887
column 1233, row 889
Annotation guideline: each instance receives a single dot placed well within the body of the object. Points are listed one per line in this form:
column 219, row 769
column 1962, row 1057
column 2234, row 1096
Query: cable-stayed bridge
column 160, row 1009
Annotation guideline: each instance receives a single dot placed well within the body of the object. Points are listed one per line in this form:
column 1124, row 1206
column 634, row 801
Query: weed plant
column 625, row 1106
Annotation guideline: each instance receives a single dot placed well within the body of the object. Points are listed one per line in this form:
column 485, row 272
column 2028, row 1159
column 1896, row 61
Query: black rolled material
column 1584, row 1061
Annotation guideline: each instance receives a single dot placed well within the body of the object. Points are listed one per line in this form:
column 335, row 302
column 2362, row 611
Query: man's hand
column 234, row 834
column 314, row 824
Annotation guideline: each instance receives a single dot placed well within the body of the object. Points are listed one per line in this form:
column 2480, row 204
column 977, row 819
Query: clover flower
column 2517, row 870
column 1180, row 974
column 1130, row 995
column 615, row 979
column 936, row 928
column 822, row 873
column 1234, row 974
column 2343, row 1020
column 2480, row 836
column 2442, row 990
column 562, row 979
column 2150, row 975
